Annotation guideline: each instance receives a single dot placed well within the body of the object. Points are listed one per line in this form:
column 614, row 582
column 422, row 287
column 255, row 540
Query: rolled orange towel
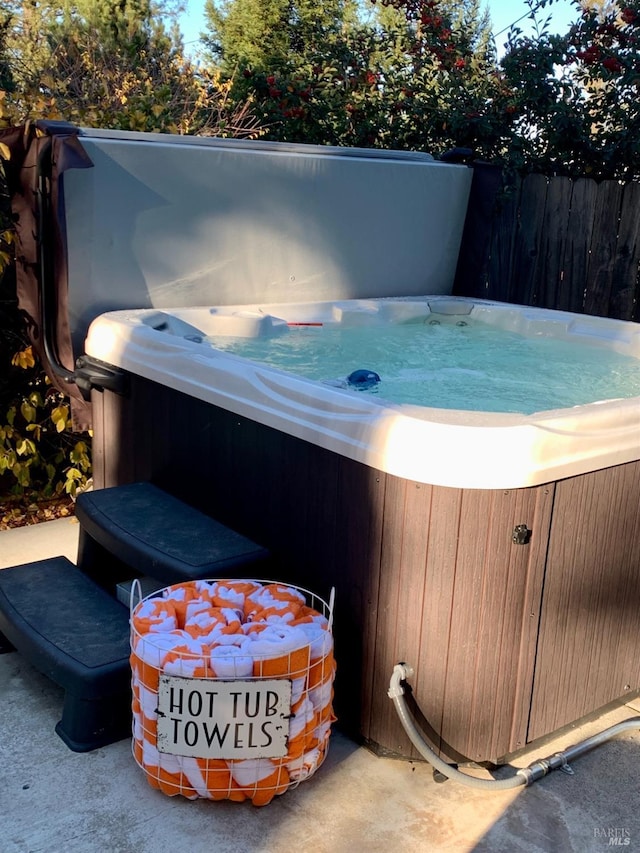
column 149, row 713
column 305, row 765
column 274, row 600
column 321, row 669
column 309, row 615
column 180, row 595
column 321, row 696
column 321, row 651
column 164, row 772
column 279, row 650
column 217, row 780
column 155, row 614
column 203, row 623
column 150, row 652
column 246, row 587
column 137, row 750
column 231, row 661
column 187, row 661
column 260, row 779
column 302, row 726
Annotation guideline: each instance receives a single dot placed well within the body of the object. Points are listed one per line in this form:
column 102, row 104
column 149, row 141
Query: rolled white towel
column 213, row 636
column 321, row 694
column 174, row 764
column 153, row 648
column 150, row 754
column 320, row 640
column 269, row 596
column 205, row 587
column 195, row 607
column 230, row 662
column 302, row 767
column 176, row 594
column 297, row 688
column 279, row 650
column 170, row 763
column 194, row 775
column 276, row 640
column 138, row 730
column 154, row 614
column 239, row 639
column 287, row 616
column 233, row 596
column 148, row 702
column 203, row 621
column 232, row 615
column 301, row 718
column 184, row 666
column 321, row 732
column 251, row 771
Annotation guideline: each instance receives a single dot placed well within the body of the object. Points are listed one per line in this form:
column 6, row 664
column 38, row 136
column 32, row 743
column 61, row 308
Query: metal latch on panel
column 521, row 535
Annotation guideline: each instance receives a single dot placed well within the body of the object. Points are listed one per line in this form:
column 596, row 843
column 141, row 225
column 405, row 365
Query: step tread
column 153, row 531
column 65, row 625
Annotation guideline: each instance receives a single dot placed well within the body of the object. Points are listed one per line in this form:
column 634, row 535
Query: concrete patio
column 52, row 799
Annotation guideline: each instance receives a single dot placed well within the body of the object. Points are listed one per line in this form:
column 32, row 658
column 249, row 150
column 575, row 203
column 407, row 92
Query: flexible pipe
column 524, row 776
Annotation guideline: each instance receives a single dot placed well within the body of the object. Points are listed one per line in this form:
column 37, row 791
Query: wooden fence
column 558, row 243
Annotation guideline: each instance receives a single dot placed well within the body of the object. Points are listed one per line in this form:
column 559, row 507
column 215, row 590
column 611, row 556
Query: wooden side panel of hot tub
column 428, row 575
column 589, row 650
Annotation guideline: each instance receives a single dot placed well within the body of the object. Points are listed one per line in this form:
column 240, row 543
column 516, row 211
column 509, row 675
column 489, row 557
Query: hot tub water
column 449, row 363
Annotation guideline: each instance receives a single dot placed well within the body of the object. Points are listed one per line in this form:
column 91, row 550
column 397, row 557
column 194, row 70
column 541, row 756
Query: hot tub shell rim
column 482, row 449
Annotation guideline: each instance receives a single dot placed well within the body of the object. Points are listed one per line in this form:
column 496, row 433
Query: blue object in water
column 363, row 379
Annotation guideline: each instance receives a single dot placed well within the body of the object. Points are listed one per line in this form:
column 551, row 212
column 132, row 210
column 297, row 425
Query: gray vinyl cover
column 163, row 221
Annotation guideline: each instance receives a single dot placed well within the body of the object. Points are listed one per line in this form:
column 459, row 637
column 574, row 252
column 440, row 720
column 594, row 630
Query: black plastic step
column 155, row 534
column 78, row 636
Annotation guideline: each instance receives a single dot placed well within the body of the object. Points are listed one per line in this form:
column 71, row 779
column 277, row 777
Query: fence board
column 625, row 295
column 560, row 243
column 603, row 248
column 553, row 237
column 472, row 274
column 503, row 243
column 527, row 243
column 576, row 255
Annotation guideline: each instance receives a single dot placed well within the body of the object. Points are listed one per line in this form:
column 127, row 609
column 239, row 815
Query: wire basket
column 232, row 685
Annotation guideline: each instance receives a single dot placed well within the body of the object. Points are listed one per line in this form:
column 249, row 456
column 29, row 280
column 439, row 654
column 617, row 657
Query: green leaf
column 22, row 473
column 60, row 416
column 28, row 412
column 36, row 429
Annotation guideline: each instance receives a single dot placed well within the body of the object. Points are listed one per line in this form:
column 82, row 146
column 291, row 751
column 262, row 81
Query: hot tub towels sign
column 232, row 685
column 223, row 719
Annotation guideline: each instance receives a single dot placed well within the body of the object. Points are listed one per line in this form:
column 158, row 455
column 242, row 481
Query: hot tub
column 496, row 552
column 460, row 446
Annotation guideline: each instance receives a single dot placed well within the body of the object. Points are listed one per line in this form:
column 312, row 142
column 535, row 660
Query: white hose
column 524, row 776
column 396, row 692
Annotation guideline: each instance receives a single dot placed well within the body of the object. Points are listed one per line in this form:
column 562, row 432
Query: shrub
column 39, row 454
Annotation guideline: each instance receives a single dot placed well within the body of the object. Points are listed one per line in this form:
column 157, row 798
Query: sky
column 503, row 13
